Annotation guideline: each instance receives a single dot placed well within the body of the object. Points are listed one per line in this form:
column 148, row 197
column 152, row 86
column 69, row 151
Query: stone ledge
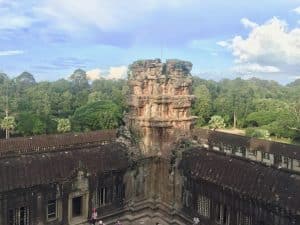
column 147, row 211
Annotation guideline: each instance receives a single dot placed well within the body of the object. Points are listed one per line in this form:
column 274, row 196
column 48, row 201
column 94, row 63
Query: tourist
column 94, row 216
column 101, row 222
column 196, row 221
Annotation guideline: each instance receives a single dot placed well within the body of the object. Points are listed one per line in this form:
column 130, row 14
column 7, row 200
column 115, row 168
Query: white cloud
column 248, row 24
column 118, row 72
column 202, row 46
column 13, row 22
column 294, row 77
column 105, row 14
column 94, row 74
column 223, row 44
column 14, row 15
column 112, row 73
column 11, row 52
column 297, row 10
column 270, row 47
column 254, row 68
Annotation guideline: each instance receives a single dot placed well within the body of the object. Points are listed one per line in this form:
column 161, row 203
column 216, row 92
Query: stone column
column 39, row 209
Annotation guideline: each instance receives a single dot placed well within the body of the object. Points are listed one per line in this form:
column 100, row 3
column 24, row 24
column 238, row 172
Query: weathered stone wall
column 143, row 183
column 153, row 193
column 248, row 191
column 160, row 101
column 35, row 199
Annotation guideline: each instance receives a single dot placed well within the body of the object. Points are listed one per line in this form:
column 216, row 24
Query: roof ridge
column 54, row 142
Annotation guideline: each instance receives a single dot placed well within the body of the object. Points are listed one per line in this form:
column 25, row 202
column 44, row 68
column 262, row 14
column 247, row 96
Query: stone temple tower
column 159, row 104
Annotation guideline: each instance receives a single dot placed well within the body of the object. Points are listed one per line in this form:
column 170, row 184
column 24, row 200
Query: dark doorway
column 77, row 206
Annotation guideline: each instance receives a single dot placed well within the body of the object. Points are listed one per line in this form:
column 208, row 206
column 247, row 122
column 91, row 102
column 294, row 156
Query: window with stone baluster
column 19, row 216
column 243, row 219
column 203, row 206
column 52, row 210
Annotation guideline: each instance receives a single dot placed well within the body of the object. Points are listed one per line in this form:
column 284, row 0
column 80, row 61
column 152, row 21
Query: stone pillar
column 39, row 207
column 65, row 209
column 159, row 104
column 2, row 210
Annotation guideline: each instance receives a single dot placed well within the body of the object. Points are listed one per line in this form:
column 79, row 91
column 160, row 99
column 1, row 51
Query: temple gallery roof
column 243, row 177
column 30, row 170
column 220, row 138
column 55, row 142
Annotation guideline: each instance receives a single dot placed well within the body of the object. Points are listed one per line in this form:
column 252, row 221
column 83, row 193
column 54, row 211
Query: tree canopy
column 44, row 107
column 268, row 108
column 96, row 116
column 73, row 104
column 216, row 122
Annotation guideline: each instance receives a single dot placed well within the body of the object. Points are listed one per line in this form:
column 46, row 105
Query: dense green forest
column 263, row 108
column 61, row 106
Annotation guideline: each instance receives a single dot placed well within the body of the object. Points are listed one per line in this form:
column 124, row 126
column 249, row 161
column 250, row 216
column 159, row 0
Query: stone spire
column 159, row 104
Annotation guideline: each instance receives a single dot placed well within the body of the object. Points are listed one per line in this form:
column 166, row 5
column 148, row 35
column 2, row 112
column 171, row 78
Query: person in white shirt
column 94, row 216
column 196, row 221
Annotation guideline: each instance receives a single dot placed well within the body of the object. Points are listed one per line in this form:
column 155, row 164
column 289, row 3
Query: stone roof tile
column 55, row 142
column 31, row 170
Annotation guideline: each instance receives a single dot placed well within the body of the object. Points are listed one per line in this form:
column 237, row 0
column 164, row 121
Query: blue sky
column 223, row 39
